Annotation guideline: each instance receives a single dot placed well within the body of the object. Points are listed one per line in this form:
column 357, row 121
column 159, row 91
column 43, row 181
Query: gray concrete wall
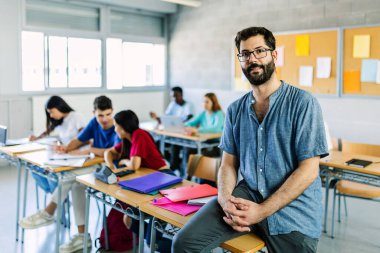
column 201, row 50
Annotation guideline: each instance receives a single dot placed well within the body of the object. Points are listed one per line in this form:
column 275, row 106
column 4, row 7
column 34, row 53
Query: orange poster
column 351, row 81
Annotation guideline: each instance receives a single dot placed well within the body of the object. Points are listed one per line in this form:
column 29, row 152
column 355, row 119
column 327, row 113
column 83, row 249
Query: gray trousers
column 206, row 230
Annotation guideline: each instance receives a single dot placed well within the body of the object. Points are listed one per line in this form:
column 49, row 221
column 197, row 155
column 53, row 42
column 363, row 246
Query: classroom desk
column 11, row 153
column 335, row 168
column 39, row 158
column 131, row 198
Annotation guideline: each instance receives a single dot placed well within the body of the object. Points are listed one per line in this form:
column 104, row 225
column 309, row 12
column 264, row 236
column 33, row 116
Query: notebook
column 4, row 141
column 150, row 182
column 358, row 163
column 172, row 124
column 177, row 207
column 190, row 192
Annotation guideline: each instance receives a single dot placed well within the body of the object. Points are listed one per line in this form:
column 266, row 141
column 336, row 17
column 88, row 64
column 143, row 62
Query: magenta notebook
column 181, row 208
column 150, row 182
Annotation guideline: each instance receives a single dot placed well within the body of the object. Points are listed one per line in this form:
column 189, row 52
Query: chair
column 345, row 188
column 207, row 168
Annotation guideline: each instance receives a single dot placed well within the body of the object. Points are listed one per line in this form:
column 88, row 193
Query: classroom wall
column 201, row 46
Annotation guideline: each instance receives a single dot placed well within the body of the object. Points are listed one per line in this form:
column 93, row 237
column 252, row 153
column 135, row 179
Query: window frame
column 102, row 35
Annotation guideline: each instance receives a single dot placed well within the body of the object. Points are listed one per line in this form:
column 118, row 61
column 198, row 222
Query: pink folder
column 181, row 208
column 189, row 192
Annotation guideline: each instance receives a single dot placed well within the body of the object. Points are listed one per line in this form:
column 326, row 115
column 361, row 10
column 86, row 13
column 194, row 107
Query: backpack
column 119, row 237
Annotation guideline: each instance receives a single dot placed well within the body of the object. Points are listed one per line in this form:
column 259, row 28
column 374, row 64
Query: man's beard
column 259, row 79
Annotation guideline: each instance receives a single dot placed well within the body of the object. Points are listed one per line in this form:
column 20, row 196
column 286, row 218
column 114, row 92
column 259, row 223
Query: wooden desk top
column 39, row 157
column 198, row 137
column 21, row 149
column 165, row 215
column 337, row 159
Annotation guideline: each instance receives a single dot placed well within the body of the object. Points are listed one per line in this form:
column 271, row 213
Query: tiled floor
column 360, row 232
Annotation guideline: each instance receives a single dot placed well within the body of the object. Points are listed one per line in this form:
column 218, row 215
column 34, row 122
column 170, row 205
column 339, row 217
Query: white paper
column 68, row 157
column 323, row 67
column 200, row 201
column 306, row 76
column 280, row 56
column 63, row 163
column 378, row 73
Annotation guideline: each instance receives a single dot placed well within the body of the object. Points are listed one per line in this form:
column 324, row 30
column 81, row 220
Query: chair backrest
column 203, row 167
column 360, row 148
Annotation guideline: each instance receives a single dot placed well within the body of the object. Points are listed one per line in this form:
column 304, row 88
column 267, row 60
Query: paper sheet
column 368, row 70
column 361, row 47
column 280, row 56
column 378, row 73
column 323, row 67
column 351, row 81
column 306, row 76
column 302, row 45
column 63, row 163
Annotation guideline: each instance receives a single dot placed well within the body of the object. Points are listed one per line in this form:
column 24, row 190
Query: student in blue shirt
column 100, row 134
column 211, row 120
column 274, row 135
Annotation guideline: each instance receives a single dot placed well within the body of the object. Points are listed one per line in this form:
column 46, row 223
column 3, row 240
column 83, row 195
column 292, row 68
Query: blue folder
column 150, row 182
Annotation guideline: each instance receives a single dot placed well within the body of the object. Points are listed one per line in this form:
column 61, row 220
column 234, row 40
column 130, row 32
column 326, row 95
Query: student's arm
column 249, row 212
column 216, row 126
column 73, row 144
column 109, row 156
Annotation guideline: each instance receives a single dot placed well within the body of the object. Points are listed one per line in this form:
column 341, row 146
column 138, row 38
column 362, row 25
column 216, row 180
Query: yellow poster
column 302, row 45
column 351, row 81
column 362, row 46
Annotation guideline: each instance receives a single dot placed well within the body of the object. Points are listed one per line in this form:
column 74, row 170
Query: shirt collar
column 272, row 98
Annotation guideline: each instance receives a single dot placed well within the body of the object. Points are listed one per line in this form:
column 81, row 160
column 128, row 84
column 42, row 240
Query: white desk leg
column 327, row 185
column 153, row 236
column 18, row 195
column 24, row 202
column 162, row 145
column 141, row 232
column 85, row 248
column 105, row 225
column 59, row 212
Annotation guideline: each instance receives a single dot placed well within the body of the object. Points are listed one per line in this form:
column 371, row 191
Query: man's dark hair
column 177, row 89
column 102, row 103
column 249, row 32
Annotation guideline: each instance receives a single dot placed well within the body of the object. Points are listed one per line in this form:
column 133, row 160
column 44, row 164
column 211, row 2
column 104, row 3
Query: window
column 134, row 64
column 71, row 62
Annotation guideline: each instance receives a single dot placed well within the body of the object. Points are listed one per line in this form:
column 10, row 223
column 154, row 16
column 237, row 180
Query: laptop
column 172, row 124
column 4, row 141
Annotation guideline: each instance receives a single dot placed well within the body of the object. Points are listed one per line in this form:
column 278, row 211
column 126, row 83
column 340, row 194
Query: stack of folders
column 186, row 200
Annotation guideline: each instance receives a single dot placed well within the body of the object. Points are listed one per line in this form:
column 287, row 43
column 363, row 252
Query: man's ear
column 274, row 55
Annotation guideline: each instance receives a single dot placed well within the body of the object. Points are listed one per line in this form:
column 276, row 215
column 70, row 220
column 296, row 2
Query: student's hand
column 245, row 214
column 226, row 204
column 33, row 138
column 191, row 131
column 60, row 149
column 124, row 162
column 153, row 115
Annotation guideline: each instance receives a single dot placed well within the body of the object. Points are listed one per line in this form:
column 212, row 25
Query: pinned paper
column 362, row 46
column 280, row 56
column 368, row 70
column 323, row 67
column 302, row 45
column 351, row 81
column 306, row 76
column 378, row 73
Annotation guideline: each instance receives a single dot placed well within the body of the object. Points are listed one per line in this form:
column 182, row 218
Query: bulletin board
column 321, row 44
column 354, row 64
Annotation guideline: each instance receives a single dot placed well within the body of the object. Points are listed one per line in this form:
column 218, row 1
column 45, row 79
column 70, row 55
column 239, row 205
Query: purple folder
column 150, row 182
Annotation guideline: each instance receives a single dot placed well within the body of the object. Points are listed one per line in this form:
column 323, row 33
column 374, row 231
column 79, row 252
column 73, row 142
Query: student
column 102, row 133
column 178, row 107
column 274, row 136
column 136, row 150
column 63, row 120
column 211, row 120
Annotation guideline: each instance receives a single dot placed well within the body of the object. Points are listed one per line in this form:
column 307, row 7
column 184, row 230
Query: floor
column 360, row 232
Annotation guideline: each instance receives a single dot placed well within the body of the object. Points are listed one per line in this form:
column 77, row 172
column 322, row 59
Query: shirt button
column 261, row 149
column 261, row 170
column 261, row 129
column 262, row 190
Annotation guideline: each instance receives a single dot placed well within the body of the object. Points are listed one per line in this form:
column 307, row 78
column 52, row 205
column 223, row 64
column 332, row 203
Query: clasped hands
column 241, row 213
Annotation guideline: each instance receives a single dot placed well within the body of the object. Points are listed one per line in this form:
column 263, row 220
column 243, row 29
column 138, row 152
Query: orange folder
column 190, row 192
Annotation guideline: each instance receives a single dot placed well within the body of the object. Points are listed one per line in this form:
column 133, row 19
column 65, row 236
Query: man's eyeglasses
column 258, row 53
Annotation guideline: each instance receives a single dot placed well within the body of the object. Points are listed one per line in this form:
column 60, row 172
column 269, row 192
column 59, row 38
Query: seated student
column 143, row 153
column 64, row 121
column 211, row 120
column 181, row 108
column 102, row 133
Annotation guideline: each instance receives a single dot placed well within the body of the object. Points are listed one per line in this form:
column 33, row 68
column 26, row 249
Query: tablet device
column 358, row 163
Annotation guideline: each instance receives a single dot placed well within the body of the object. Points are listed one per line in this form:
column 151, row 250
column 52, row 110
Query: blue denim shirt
column 268, row 153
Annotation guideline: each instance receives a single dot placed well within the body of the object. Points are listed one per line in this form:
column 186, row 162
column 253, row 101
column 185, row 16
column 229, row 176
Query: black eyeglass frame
column 253, row 52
